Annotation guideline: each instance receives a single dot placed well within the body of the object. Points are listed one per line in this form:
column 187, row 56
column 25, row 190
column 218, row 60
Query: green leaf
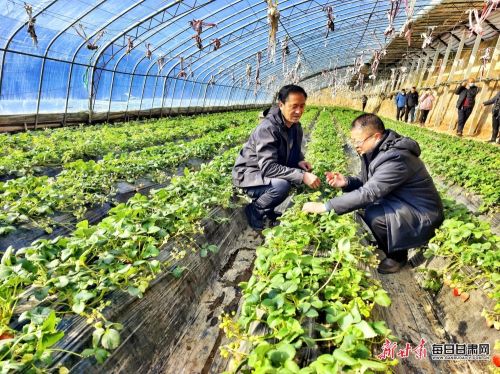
column 312, row 313
column 366, row 329
column 49, row 340
column 381, row 298
column 111, row 339
column 343, row 357
column 101, row 355
column 134, row 291
column 78, row 307
column 61, row 282
column 177, row 272
column 50, row 322
column 373, row 365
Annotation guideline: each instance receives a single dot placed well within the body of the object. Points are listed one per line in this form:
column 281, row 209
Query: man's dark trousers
column 410, row 111
column 267, row 197
column 463, row 115
column 374, row 217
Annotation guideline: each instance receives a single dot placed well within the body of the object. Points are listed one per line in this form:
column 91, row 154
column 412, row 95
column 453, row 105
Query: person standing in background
column 466, row 92
column 400, row 104
column 364, row 100
column 425, row 106
column 495, row 119
column 411, row 104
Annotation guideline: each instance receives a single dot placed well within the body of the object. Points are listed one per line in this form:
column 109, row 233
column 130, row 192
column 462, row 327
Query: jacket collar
column 276, row 117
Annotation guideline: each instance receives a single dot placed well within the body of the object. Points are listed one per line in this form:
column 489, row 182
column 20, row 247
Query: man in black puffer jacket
column 411, row 104
column 402, row 205
column 466, row 92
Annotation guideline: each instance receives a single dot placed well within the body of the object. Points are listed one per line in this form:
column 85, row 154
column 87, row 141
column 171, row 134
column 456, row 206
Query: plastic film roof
column 60, row 73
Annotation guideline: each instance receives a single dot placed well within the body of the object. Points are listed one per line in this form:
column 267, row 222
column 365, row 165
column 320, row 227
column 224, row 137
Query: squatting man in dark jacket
column 271, row 160
column 401, row 204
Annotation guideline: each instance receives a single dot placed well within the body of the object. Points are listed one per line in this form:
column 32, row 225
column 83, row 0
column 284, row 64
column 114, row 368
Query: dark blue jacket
column 400, row 100
column 395, row 177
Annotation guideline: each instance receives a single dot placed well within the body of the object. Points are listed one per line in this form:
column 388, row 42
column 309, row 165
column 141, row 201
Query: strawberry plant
column 74, row 275
column 308, row 290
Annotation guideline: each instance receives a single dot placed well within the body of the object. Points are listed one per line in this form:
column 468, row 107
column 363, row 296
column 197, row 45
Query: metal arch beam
column 428, row 6
column 171, row 38
column 137, row 25
column 12, row 36
column 233, row 31
column 77, row 51
column 246, row 50
column 337, row 34
column 47, row 50
column 314, row 38
column 142, row 58
column 114, row 70
column 264, row 30
column 154, row 63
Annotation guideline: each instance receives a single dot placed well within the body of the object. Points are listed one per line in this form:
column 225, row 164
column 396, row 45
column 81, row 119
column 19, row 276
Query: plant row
column 309, row 293
column 21, row 154
column 73, row 275
column 466, row 163
column 472, row 252
column 84, row 183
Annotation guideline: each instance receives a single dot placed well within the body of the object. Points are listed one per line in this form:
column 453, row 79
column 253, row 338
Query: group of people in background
column 407, row 102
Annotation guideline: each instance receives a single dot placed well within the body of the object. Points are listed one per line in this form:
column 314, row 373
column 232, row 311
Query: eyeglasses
column 359, row 143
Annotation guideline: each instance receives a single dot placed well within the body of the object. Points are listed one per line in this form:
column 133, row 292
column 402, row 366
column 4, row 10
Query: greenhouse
column 249, row 186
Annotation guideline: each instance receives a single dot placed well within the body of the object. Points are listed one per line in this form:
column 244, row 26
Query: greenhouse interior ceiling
column 249, row 186
column 108, row 56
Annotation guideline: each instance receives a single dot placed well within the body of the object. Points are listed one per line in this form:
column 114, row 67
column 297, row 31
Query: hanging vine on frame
column 273, row 16
column 330, row 22
column 285, row 51
column 391, row 16
column 91, row 42
column 428, row 36
column 485, row 58
column 407, row 29
column 197, row 26
column 257, row 72
column 476, row 20
column 31, row 24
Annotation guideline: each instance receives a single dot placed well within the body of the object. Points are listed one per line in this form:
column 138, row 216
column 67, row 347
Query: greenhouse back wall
column 249, row 186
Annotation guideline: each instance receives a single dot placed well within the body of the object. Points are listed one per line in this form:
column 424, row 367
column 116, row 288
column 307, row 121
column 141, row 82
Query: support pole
column 433, row 66
column 424, row 69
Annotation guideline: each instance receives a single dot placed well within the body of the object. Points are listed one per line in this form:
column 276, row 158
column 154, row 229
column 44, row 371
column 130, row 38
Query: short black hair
column 368, row 120
column 285, row 91
column 403, row 90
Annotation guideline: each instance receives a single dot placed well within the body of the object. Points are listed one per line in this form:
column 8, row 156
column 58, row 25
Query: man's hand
column 314, row 208
column 336, row 180
column 311, row 180
column 304, row 165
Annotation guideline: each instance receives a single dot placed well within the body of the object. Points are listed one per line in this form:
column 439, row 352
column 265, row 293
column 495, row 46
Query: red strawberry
column 6, row 335
column 496, row 360
column 456, row 292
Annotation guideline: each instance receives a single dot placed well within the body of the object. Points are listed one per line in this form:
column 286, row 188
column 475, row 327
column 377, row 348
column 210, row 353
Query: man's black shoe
column 254, row 219
column 273, row 216
column 389, row 266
